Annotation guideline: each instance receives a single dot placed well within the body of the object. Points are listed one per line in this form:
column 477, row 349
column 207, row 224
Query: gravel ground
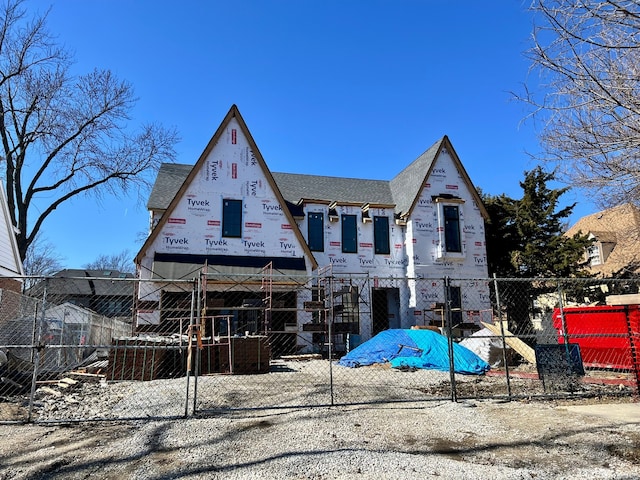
column 473, row 440
column 435, row 439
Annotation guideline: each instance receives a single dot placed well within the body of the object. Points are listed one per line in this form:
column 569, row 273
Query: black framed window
column 231, row 218
column 452, row 236
column 349, row 234
column 315, row 229
column 381, row 235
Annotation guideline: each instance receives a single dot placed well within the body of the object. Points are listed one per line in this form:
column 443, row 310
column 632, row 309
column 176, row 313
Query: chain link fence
column 77, row 349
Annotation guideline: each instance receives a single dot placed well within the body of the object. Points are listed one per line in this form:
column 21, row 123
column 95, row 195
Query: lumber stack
column 248, row 355
column 144, row 359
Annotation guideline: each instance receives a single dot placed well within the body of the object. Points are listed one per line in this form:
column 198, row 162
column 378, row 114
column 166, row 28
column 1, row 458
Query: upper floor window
column 381, row 235
column 349, row 234
column 450, row 217
column 593, row 251
column 452, row 235
column 315, row 225
column 231, row 218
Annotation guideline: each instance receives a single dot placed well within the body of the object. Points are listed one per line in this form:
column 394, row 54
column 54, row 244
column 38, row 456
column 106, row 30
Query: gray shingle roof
column 85, row 282
column 400, row 191
column 408, row 183
column 169, row 180
column 295, row 187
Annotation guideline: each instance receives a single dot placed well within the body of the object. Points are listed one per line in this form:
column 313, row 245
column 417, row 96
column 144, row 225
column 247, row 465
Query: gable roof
column 402, row 191
column 407, row 185
column 165, row 188
column 610, row 220
column 604, row 237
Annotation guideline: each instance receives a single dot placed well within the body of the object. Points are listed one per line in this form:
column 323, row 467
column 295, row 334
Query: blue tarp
column 414, row 349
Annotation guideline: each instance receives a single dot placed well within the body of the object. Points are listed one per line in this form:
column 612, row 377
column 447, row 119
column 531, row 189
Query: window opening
column 349, row 234
column 452, row 237
column 316, row 231
column 232, row 218
column 381, row 235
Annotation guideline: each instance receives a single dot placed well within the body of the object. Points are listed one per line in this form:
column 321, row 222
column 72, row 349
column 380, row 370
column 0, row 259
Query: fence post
column 504, row 342
column 634, row 349
column 565, row 334
column 198, row 298
column 449, row 329
column 330, row 334
column 34, row 332
column 189, row 350
column 38, row 347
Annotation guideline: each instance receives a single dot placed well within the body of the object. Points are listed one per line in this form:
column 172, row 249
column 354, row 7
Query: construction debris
column 510, row 339
column 302, row 357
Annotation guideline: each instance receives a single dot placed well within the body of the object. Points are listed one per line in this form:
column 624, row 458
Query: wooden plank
column 518, row 345
column 68, row 381
column 302, row 357
column 91, row 377
column 50, row 391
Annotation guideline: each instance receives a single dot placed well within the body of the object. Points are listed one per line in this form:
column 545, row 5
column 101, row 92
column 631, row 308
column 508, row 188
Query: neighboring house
column 72, row 331
column 230, row 214
column 616, row 239
column 10, row 262
column 105, row 292
column 11, row 270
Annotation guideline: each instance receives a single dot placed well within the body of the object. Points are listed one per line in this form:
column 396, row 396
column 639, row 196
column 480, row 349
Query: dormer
column 603, row 244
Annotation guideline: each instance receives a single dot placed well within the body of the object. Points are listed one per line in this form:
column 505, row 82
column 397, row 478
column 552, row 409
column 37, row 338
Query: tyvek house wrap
column 231, row 170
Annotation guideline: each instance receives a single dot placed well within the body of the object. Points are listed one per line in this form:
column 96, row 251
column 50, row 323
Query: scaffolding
column 297, row 313
column 267, row 295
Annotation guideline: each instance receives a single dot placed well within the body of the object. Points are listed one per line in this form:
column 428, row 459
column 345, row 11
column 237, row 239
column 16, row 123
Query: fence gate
column 274, row 341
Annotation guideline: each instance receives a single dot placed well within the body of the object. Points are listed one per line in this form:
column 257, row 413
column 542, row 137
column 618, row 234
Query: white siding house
column 10, row 262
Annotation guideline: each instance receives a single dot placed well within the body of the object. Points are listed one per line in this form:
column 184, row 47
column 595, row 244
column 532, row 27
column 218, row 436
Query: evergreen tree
column 525, row 239
column 501, row 234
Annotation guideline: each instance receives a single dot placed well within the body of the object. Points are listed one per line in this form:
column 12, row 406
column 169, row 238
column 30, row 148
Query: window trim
column 443, row 252
column 594, row 254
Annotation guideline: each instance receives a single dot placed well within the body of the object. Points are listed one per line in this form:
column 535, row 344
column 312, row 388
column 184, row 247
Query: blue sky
column 355, row 88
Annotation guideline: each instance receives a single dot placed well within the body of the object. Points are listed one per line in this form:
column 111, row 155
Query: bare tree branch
column 122, row 262
column 42, row 259
column 587, row 55
column 62, row 136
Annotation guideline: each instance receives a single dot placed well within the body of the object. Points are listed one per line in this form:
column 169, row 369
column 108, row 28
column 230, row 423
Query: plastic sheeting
column 487, row 346
column 414, row 349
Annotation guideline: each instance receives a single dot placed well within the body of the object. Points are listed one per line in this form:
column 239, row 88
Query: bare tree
column 587, row 53
column 62, row 135
column 41, row 260
column 122, row 262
